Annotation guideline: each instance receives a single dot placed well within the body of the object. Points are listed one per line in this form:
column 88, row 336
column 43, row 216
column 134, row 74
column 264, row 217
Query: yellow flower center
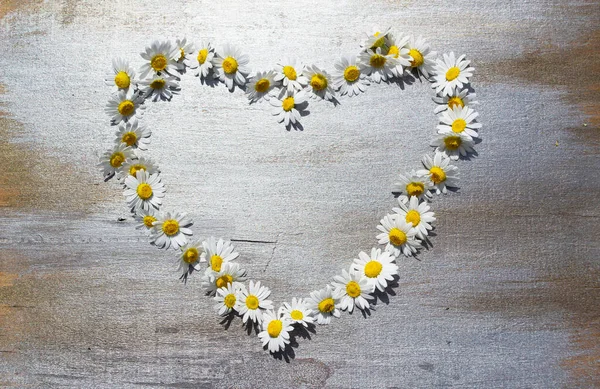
column 296, row 315
column 455, row 101
column 351, row 73
column 252, row 302
column 126, row 107
column 159, row 62
column 230, row 300
column 437, row 174
column 148, row 220
column 181, row 54
column 459, row 125
column 129, row 138
column 373, row 268
column 417, row 58
column 170, row 227
column 327, row 305
column 274, row 328
column 397, row 237
column 452, row 142
column 230, row 65
column 202, row 54
column 415, row 189
column 318, row 82
column 353, row 289
column 290, row 72
column 288, row 103
column 413, row 217
column 223, row 281
column 379, row 42
column 394, row 50
column 377, row 61
column 215, row 263
column 262, row 85
column 452, row 73
column 136, row 168
column 190, row 255
column 144, row 191
column 122, row 80
column 159, row 83
column 117, row 159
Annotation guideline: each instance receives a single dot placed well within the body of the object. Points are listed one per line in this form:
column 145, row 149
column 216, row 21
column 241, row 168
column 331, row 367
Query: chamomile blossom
column 376, row 65
column 231, row 66
column 113, row 159
column 159, row 87
column 377, row 38
column 132, row 166
column 260, row 85
column 145, row 219
column 297, row 312
column 160, row 56
column 397, row 49
column 189, row 258
column 398, row 236
column 459, row 120
column 217, row 253
column 290, row 73
column 319, row 83
column 275, row 332
column 378, row 268
column 228, row 298
column 423, row 59
column 451, row 73
column 353, row 288
column 453, row 145
column 186, row 51
column 230, row 273
column 144, row 191
column 253, row 301
column 124, row 105
column 133, row 135
column 417, row 213
column 458, row 98
column 171, row 229
column 441, row 173
column 324, row 304
column 348, row 78
column 289, row 108
column 122, row 75
column 206, row 54
column 413, row 184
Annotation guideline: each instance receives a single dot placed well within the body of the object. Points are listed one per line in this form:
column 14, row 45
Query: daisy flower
column 397, row 49
column 113, row 159
column 347, row 77
column 231, row 66
column 459, row 120
column 289, row 108
column 398, row 236
column 290, row 74
column 253, row 301
column 423, row 60
column 189, row 259
column 217, row 253
column 171, row 230
column 458, row 98
column 260, row 85
column 378, row 269
column 122, row 75
column 319, row 83
column 324, row 303
column 452, row 145
column 205, row 57
column 144, row 191
column 132, row 166
column 124, row 105
column 275, row 332
column 160, row 57
column 353, row 288
column 297, row 312
column 228, row 298
column 133, row 135
column 375, row 39
column 186, row 50
column 418, row 214
column 413, row 185
column 377, row 65
column 441, row 173
column 451, row 73
column 159, row 87
column 145, row 219
column 230, row 273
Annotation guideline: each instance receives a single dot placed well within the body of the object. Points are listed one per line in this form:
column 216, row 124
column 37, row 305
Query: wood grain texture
column 506, row 297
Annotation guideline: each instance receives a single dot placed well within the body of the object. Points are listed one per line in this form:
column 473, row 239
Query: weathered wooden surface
column 507, row 297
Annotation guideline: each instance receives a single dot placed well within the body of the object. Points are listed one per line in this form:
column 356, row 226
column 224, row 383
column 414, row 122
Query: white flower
column 379, row 268
column 324, row 304
column 122, row 75
column 348, row 78
column 145, row 219
column 319, row 83
column 231, row 66
column 290, row 73
column 459, row 120
column 451, row 73
column 260, row 85
column 418, row 214
column 161, row 57
column 228, row 298
column 458, row 98
column 205, row 57
column 452, row 145
column 377, row 65
column 253, row 301
column 397, row 49
column 144, row 191
column 113, row 159
column 422, row 58
column 132, row 166
column 413, row 185
column 186, row 49
column 441, row 173
column 124, row 105
column 159, row 87
column 217, row 253
column 133, row 135
column 375, row 39
column 398, row 236
column 189, row 259
column 230, row 273
column 353, row 288
column 289, row 108
column 171, row 230
column 297, row 312
column 275, row 332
